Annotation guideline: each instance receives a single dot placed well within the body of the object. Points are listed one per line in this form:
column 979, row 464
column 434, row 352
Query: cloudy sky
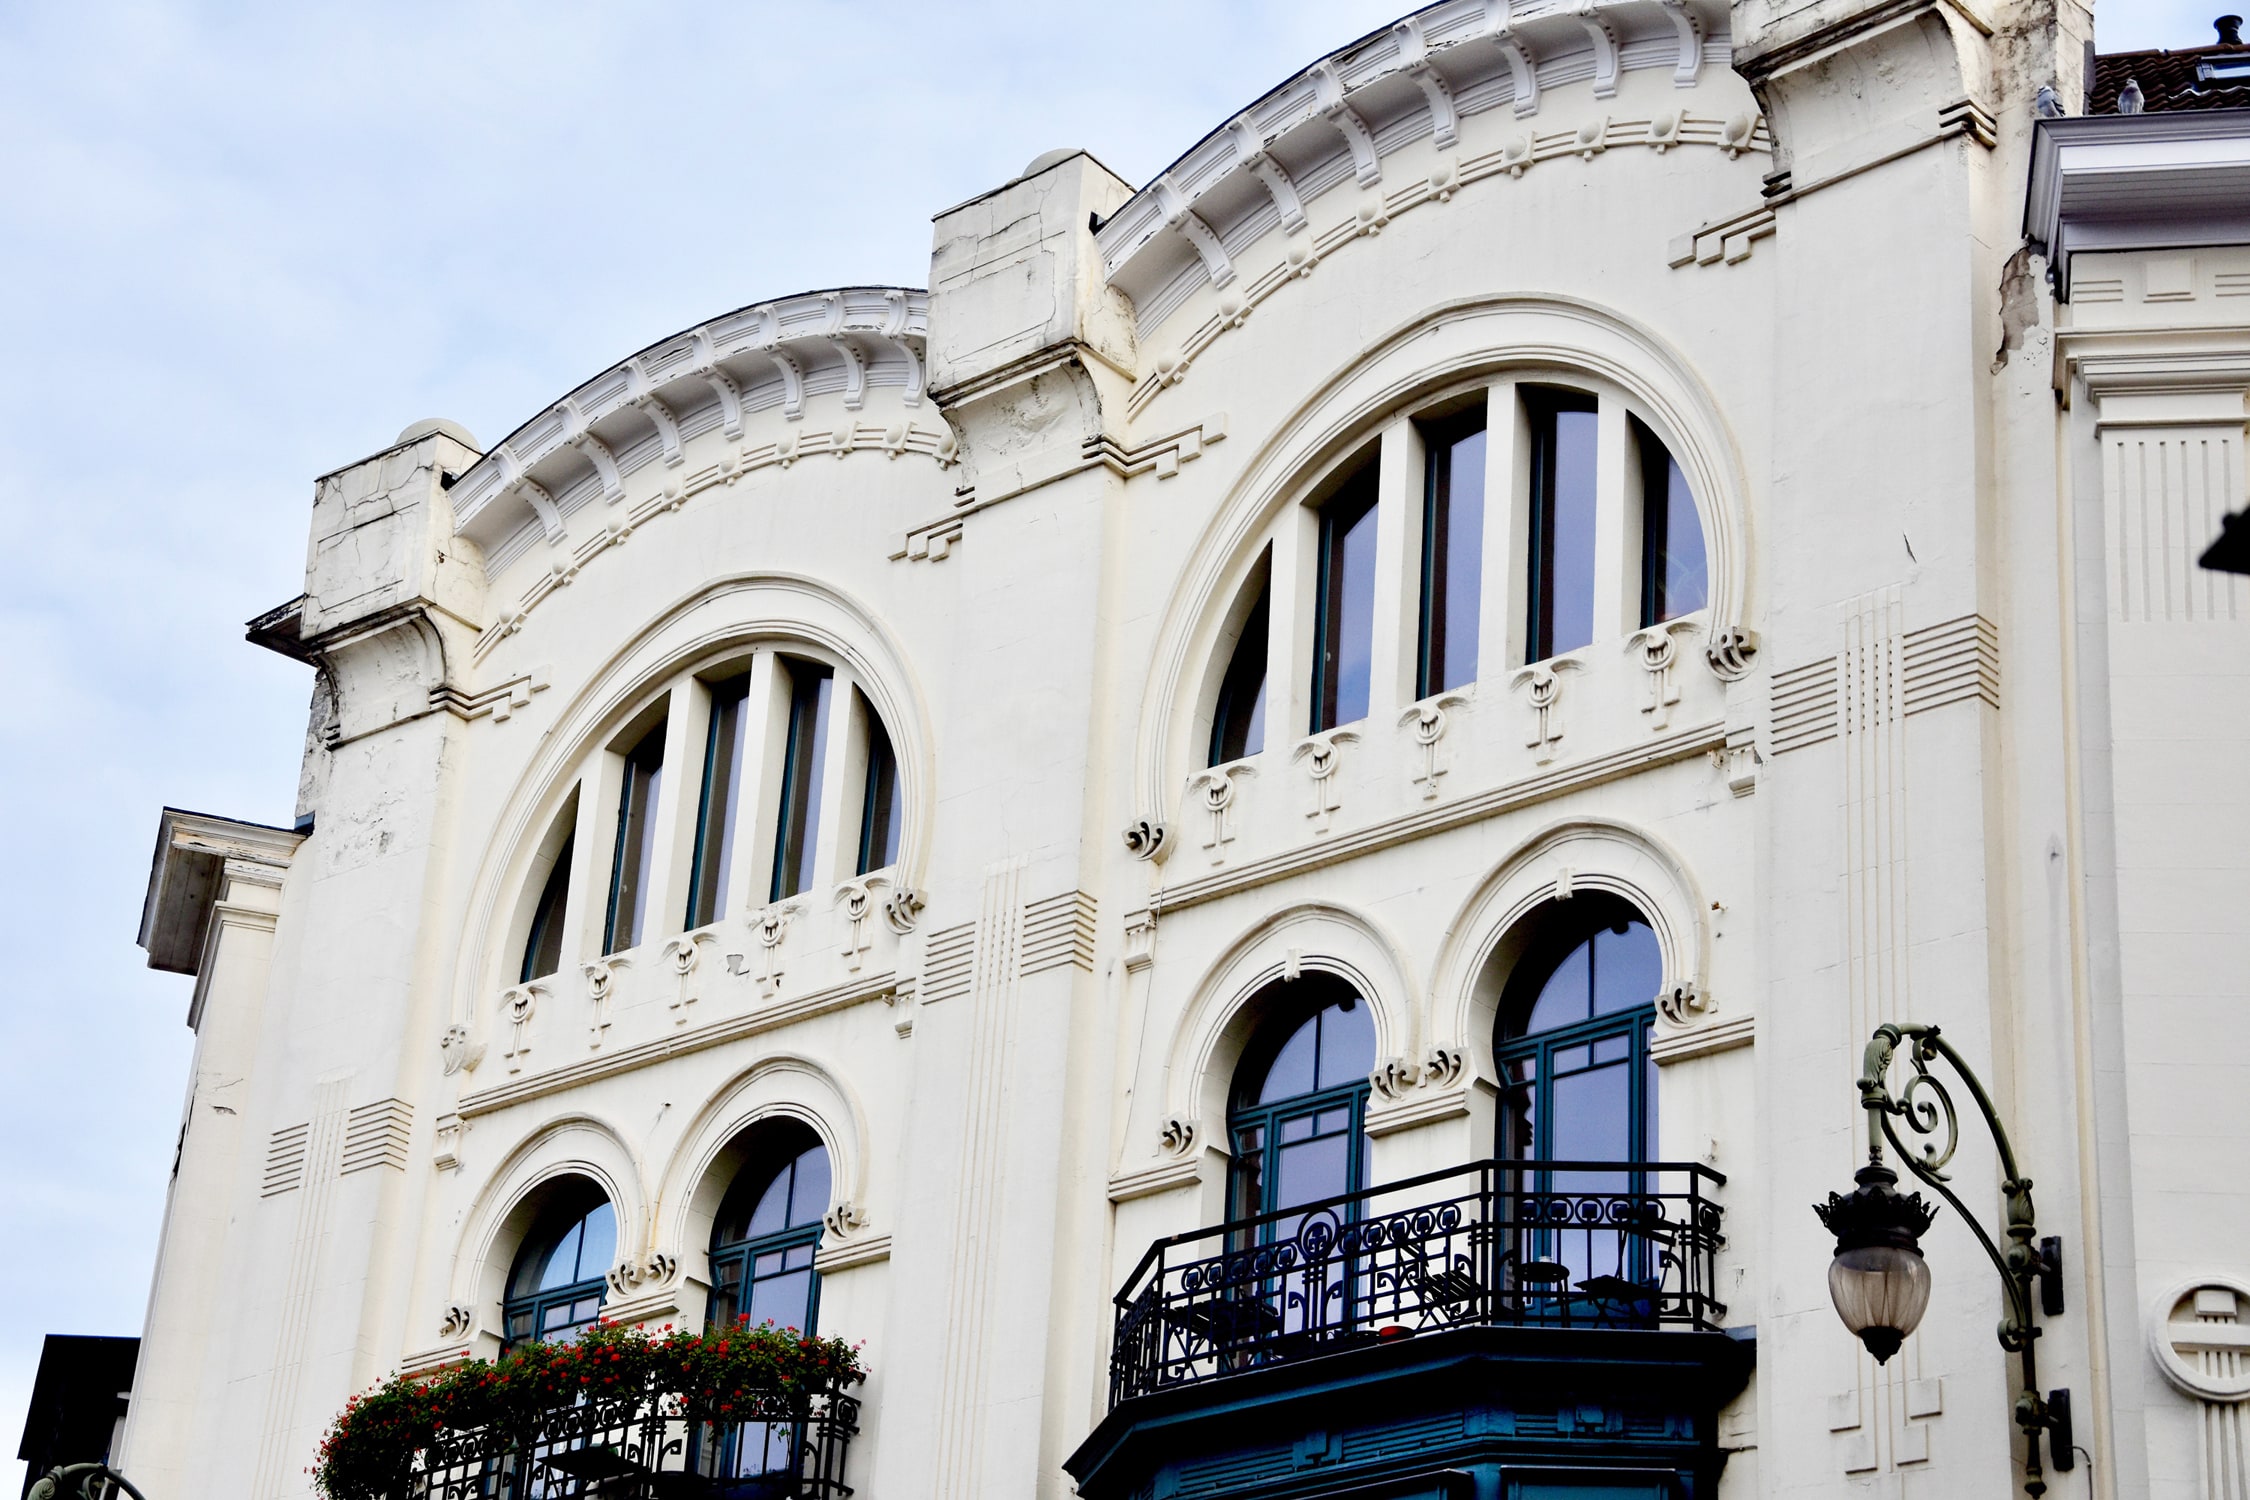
column 243, row 244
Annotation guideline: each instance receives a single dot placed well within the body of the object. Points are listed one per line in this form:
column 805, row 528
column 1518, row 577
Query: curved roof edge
column 1416, row 78
column 764, row 355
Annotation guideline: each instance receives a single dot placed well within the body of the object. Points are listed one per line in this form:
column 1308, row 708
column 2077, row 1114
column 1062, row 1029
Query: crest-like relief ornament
column 901, row 907
column 856, row 900
column 629, row 1276
column 1444, row 1066
column 457, row 1323
column 769, row 928
column 1394, row 1076
column 1542, row 685
column 517, row 1006
column 1429, row 721
column 461, row 1054
column 1146, row 838
column 1213, row 791
column 1683, row 1003
column 1728, row 652
column 1178, row 1135
column 844, row 1218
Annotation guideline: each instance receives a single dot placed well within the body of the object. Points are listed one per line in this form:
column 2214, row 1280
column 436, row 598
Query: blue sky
column 244, row 244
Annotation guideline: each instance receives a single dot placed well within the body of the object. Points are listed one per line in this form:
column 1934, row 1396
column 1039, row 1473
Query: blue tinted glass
column 1627, row 968
column 1347, row 1045
column 1453, row 571
column 1295, row 1067
column 808, row 1195
column 1355, row 624
column 1564, row 1000
column 1685, row 586
column 597, row 1244
column 1571, row 579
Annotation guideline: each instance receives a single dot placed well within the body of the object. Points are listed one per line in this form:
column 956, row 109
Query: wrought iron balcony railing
column 1559, row 1244
column 643, row 1447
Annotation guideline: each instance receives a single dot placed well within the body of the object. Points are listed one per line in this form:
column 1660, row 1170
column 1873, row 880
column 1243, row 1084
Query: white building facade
column 1511, row 607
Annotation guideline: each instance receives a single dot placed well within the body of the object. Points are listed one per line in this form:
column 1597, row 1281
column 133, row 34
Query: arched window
column 1577, row 1083
column 768, row 1228
column 542, row 947
column 1298, row 1120
column 556, row 1285
column 762, row 1249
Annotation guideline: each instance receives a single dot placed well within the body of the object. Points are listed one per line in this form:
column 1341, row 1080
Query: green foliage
column 723, row 1376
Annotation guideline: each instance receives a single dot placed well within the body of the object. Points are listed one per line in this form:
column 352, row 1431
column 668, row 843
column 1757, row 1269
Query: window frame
column 1356, row 500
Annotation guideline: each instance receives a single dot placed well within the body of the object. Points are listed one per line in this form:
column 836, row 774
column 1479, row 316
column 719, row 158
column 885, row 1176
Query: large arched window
column 556, row 1286
column 791, row 783
column 1298, row 1119
column 762, row 1249
column 1544, row 513
column 1577, row 1082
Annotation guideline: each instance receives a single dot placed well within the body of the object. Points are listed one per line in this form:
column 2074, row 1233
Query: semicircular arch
column 1555, row 864
column 1446, row 346
column 503, row 1211
column 721, row 617
column 786, row 1086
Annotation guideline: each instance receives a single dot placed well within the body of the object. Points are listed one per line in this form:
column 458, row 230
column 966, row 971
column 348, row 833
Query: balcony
column 644, row 1447
column 1446, row 1335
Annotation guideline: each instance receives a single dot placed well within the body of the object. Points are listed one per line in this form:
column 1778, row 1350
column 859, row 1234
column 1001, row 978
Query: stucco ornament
column 460, row 1053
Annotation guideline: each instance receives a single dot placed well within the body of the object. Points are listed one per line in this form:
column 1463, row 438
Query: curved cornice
column 642, row 410
column 1335, row 122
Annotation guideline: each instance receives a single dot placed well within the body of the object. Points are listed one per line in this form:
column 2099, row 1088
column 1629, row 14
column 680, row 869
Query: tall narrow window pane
column 796, row 840
column 1452, row 555
column 635, row 861
column 882, row 809
column 1238, row 725
column 1673, row 575
column 1346, row 623
column 715, row 815
column 1560, row 585
column 542, row 950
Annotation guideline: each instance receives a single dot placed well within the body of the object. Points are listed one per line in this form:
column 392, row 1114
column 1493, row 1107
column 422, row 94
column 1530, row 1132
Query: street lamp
column 1879, row 1281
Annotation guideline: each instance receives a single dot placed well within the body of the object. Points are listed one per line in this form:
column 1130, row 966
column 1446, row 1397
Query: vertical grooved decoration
column 2170, row 490
column 324, row 1151
column 1871, row 707
column 995, row 966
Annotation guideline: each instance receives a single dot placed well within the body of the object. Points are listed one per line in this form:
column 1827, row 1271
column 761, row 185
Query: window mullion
column 1616, row 583
column 1507, row 479
column 765, row 730
column 1290, row 621
column 1398, row 552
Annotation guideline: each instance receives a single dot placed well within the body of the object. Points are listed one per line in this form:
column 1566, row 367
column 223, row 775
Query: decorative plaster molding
column 1683, row 744
column 679, row 1043
column 865, row 1250
column 458, row 1323
column 1322, row 755
column 1668, row 1046
column 1542, row 684
column 648, row 406
column 1656, row 650
column 460, row 1053
column 1212, row 792
column 1429, row 721
column 1149, row 839
column 1177, row 1135
column 1162, row 456
column 902, row 908
column 1140, row 940
column 682, row 957
column 1149, row 1181
column 1668, row 130
column 630, row 1277
column 518, row 1004
column 445, row 1143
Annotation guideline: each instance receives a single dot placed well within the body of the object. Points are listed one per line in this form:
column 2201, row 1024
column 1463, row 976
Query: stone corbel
column 1414, row 60
column 1140, row 940
column 1328, row 94
column 1250, row 149
column 1177, row 1136
column 1523, row 64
